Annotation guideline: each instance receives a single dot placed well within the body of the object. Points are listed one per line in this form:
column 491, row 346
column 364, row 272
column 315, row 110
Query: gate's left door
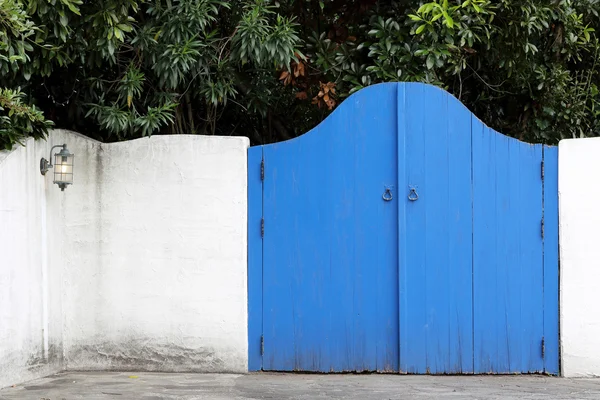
column 330, row 246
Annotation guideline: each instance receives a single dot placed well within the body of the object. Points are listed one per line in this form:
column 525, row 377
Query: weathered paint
column 35, row 247
column 551, row 257
column 469, row 262
column 168, row 289
column 436, row 238
column 255, row 258
column 140, row 264
column 508, row 273
column 330, row 259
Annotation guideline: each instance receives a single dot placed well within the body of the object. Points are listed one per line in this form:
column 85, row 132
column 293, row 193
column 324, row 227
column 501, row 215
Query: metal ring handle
column 387, row 196
column 413, row 195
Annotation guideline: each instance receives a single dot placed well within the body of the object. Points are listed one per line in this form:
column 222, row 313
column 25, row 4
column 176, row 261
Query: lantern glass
column 63, row 167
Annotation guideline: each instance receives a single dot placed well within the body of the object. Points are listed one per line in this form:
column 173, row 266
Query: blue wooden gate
column 402, row 235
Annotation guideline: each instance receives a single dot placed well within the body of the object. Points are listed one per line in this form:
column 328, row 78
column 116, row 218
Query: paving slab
column 158, row 386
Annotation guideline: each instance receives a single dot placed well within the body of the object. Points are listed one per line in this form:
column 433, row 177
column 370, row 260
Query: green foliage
column 167, row 66
column 528, row 68
column 18, row 120
column 129, row 68
column 258, row 41
column 119, row 69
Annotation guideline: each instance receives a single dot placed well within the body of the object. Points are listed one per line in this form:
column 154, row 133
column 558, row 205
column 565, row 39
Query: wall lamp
column 63, row 166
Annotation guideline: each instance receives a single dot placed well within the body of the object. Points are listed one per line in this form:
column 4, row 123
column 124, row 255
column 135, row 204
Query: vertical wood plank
column 413, row 272
column 509, row 268
column 531, row 307
column 436, row 274
column 255, row 262
column 402, row 167
column 343, row 267
column 485, row 315
column 460, row 240
column 435, row 200
column 505, row 256
column 515, row 272
column 551, row 268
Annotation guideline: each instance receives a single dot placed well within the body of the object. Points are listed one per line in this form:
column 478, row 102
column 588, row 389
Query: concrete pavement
column 156, row 386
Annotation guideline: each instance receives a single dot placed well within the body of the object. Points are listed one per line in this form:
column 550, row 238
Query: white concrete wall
column 579, row 199
column 168, row 290
column 140, row 264
column 33, row 251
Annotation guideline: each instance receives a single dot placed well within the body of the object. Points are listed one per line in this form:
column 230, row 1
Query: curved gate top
column 403, row 235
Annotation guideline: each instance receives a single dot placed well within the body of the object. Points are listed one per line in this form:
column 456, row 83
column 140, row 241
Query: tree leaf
column 430, row 61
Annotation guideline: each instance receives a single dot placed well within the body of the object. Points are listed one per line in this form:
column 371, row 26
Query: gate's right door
column 435, row 232
column 471, row 256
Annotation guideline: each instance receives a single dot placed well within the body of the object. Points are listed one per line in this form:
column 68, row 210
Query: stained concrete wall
column 167, row 290
column 33, row 251
column 579, row 199
column 140, row 264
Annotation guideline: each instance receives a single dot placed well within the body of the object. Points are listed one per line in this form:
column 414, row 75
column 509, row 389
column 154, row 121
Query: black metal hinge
column 262, row 170
column 542, row 170
column 262, row 345
column 542, row 228
column 543, row 348
column 262, row 227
